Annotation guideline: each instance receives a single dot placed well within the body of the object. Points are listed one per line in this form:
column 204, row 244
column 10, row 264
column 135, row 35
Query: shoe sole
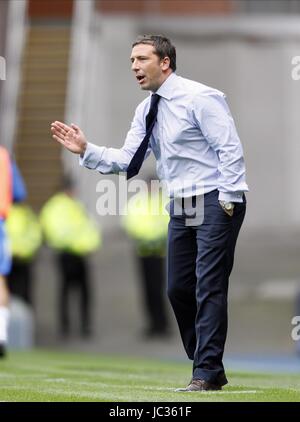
column 185, row 390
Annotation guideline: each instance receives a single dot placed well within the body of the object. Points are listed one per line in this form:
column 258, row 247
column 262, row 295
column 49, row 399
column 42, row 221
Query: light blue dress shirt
column 194, row 141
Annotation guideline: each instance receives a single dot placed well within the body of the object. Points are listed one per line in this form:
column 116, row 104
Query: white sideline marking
column 229, row 392
column 167, row 389
column 202, row 392
column 103, row 394
column 100, row 384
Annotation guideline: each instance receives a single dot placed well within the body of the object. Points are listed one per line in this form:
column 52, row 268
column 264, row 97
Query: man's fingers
column 59, row 128
column 62, row 134
column 62, row 125
column 76, row 128
column 65, row 135
column 70, row 134
column 55, row 130
column 58, row 131
column 60, row 140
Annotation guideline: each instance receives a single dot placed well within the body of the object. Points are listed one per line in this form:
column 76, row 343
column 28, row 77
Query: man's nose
column 134, row 66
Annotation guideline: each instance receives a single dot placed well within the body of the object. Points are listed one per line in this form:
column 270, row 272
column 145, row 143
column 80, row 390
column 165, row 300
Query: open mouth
column 140, row 79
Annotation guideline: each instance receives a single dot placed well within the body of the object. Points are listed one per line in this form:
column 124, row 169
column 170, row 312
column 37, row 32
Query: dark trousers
column 74, row 276
column 200, row 260
column 153, row 288
column 19, row 280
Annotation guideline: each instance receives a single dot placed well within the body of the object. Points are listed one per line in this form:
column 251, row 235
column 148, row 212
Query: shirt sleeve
column 114, row 160
column 217, row 126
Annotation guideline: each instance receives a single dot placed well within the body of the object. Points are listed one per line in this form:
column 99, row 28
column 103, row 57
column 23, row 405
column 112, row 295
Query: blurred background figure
column 25, row 238
column 71, row 232
column 12, row 188
column 146, row 223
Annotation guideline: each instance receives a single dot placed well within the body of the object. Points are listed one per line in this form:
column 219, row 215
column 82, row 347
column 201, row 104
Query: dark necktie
column 138, row 158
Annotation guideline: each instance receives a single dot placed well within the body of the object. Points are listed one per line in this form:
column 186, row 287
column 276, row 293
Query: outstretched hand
column 71, row 137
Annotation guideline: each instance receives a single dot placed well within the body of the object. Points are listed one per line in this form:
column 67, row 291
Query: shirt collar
column 167, row 88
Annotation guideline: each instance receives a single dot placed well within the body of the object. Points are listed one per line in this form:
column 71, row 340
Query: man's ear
column 165, row 63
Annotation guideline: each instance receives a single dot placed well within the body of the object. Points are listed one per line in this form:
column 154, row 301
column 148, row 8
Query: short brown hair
column 162, row 45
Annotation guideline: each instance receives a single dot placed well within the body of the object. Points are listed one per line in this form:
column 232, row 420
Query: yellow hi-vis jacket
column 146, row 221
column 23, row 231
column 67, row 226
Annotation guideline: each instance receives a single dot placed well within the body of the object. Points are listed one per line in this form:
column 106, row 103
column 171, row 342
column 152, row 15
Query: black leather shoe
column 199, row 385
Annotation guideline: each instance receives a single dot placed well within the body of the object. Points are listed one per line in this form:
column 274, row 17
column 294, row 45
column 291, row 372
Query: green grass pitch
column 43, row 376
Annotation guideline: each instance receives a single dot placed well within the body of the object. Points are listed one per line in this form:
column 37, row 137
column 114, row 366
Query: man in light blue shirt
column 191, row 132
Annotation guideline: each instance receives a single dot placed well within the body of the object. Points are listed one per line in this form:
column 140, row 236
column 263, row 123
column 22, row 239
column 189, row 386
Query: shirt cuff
column 92, row 156
column 231, row 197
